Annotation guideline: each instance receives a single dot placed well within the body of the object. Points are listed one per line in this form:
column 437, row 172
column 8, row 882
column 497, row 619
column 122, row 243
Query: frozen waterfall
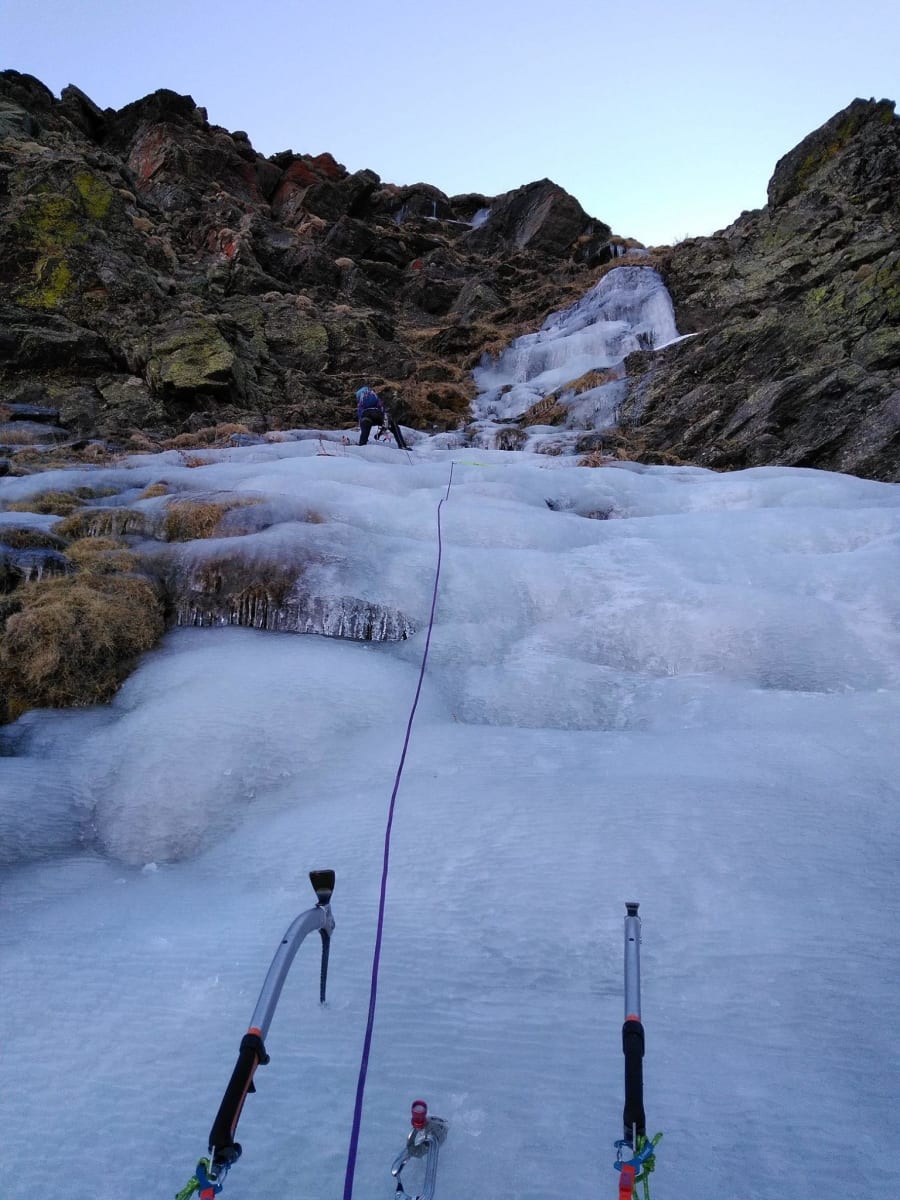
column 628, row 309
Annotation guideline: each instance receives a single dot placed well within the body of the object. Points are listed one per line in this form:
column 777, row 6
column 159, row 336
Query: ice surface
column 692, row 702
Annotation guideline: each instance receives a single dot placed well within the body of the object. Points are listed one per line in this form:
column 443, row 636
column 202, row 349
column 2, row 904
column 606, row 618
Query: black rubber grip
column 222, row 1145
column 633, row 1047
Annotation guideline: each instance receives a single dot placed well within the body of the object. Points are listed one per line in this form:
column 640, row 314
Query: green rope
column 192, row 1185
column 649, row 1163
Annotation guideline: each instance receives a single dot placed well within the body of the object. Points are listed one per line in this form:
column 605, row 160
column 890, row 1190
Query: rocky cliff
column 160, row 275
column 795, row 310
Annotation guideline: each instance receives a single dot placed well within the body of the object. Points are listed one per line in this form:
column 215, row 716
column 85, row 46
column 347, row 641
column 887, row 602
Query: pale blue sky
column 662, row 120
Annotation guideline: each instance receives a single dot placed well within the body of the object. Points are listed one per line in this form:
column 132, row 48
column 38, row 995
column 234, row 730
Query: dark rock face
column 540, row 216
column 156, row 270
column 796, row 311
column 157, row 274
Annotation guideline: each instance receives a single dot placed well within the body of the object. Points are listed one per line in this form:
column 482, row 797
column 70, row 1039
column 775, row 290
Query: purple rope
column 376, row 957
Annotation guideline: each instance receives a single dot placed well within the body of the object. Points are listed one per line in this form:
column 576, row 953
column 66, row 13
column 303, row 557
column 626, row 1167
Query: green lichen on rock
column 49, row 224
column 886, row 285
column 312, row 342
column 53, row 284
column 297, row 336
column 192, row 357
column 95, row 193
column 49, row 221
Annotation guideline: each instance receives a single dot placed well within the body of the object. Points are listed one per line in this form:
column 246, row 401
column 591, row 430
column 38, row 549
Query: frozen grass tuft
column 190, row 520
column 76, row 639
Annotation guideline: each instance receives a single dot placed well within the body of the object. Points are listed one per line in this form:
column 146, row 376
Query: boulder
column 541, row 217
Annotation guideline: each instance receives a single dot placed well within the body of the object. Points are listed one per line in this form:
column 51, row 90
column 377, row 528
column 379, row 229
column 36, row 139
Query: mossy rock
column 192, row 357
column 312, row 342
column 297, row 339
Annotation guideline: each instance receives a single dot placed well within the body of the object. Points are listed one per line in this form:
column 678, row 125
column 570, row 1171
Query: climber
column 369, row 412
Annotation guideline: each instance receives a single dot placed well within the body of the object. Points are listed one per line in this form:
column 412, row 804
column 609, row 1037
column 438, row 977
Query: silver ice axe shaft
column 223, row 1148
column 633, row 1031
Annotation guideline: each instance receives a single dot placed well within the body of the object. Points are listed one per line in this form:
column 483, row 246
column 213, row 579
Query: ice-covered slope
column 693, row 702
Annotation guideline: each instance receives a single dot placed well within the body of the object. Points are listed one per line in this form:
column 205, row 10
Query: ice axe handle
column 252, row 1054
column 633, row 1047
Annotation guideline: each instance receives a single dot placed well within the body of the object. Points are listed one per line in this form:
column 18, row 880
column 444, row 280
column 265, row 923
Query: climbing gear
column 423, row 1141
column 638, row 1167
column 353, row 1147
column 200, row 1182
column 642, row 1162
column 223, row 1149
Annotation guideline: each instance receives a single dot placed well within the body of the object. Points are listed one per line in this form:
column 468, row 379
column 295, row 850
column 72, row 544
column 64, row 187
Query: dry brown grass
column 153, row 490
column 9, row 604
column 96, row 453
column 213, row 436
column 75, row 639
column 101, row 556
column 59, row 504
column 545, row 412
column 140, row 443
column 630, row 447
column 18, row 437
column 596, row 378
column 651, row 259
column 103, row 522
column 31, row 460
column 24, row 538
column 189, row 520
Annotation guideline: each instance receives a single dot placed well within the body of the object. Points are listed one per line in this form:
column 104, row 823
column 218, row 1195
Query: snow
column 692, row 702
